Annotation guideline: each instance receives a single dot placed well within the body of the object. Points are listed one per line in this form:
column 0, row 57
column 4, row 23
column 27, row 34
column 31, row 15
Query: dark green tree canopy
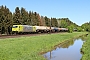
column 5, row 19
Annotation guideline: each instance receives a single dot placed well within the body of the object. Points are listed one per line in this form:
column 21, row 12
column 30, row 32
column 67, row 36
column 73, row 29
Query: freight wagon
column 40, row 29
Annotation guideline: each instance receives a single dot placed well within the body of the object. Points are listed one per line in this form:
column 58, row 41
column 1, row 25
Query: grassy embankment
column 86, row 49
column 28, row 48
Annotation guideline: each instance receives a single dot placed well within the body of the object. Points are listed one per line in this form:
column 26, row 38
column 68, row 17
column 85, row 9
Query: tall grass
column 29, row 48
column 86, row 49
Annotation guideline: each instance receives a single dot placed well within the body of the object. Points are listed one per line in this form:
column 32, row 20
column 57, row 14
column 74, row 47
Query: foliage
column 65, row 22
column 47, row 21
column 17, row 17
column 79, row 29
column 29, row 48
column 86, row 49
column 24, row 17
column 70, row 29
column 5, row 20
column 86, row 26
column 54, row 22
column 42, row 21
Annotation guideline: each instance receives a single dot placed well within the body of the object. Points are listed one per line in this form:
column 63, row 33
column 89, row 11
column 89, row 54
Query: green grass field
column 29, row 48
column 86, row 49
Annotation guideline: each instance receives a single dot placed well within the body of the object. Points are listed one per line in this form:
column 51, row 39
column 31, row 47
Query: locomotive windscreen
column 14, row 26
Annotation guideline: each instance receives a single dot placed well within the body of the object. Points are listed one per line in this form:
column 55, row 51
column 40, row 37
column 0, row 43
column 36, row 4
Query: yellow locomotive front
column 17, row 28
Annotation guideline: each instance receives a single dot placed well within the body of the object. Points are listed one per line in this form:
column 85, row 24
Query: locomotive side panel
column 27, row 28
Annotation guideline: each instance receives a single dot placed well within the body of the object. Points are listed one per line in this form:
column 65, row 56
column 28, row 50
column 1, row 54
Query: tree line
column 24, row 17
column 86, row 26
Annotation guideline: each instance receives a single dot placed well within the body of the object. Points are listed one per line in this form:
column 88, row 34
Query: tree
column 47, row 21
column 34, row 19
column 24, row 17
column 43, row 21
column 17, row 17
column 5, row 20
column 70, row 28
column 65, row 22
column 39, row 20
column 30, row 18
column 86, row 26
column 54, row 22
column 79, row 29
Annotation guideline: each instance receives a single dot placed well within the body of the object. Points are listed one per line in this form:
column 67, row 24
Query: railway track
column 15, row 36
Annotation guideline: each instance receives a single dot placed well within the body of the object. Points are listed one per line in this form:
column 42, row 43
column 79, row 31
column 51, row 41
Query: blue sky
column 78, row 11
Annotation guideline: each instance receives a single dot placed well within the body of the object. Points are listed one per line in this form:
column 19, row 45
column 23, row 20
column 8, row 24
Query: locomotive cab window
column 15, row 26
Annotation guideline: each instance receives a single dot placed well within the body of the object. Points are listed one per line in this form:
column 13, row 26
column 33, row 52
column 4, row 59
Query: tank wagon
column 41, row 29
column 63, row 29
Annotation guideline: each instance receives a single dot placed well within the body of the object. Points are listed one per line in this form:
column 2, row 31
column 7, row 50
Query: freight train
column 35, row 29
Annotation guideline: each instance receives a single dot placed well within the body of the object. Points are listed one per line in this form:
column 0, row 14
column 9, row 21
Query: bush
column 70, row 29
